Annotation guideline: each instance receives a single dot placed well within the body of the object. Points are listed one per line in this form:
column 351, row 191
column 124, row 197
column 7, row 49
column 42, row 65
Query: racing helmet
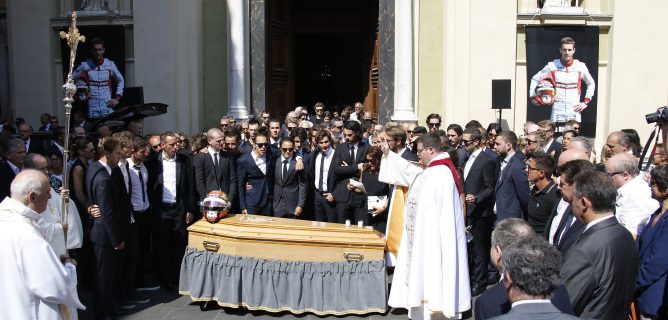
column 215, row 206
column 545, row 93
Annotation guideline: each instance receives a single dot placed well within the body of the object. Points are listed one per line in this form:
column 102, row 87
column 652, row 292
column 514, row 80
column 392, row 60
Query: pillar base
column 404, row 115
column 239, row 112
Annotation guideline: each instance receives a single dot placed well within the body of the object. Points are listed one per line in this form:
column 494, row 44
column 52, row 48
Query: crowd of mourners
column 592, row 223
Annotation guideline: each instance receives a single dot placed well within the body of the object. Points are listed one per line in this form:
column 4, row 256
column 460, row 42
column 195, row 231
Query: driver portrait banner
column 543, row 59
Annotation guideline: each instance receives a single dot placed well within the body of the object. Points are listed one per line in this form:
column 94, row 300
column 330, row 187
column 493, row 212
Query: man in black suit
column 274, row 134
column 531, row 269
column 321, row 178
column 397, row 143
column 599, row 270
column 479, row 182
column 289, row 183
column 569, row 229
column 171, row 190
column 494, row 301
column 512, row 187
column 454, row 133
column 106, row 233
column 348, row 162
column 31, row 145
column 10, row 165
column 256, row 168
column 216, row 169
column 552, row 147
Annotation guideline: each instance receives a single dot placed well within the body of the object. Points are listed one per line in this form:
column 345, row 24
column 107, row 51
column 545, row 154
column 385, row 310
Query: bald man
column 634, row 203
column 38, row 283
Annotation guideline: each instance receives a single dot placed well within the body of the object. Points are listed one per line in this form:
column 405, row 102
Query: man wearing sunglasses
column 433, row 122
column 289, row 183
column 257, row 169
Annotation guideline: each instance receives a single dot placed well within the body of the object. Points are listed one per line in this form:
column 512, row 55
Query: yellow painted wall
column 430, row 59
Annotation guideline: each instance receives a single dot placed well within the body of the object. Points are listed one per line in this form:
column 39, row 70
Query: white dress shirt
column 260, row 162
column 561, row 210
column 329, row 155
column 469, row 162
column 169, row 180
column 593, row 223
column 635, row 204
column 139, row 201
column 13, row 167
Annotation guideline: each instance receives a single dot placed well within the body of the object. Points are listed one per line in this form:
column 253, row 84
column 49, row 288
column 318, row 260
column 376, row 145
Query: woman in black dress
column 377, row 215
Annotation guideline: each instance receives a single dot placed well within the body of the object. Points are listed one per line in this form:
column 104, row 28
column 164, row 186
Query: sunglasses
column 262, row 145
column 287, row 149
column 434, row 124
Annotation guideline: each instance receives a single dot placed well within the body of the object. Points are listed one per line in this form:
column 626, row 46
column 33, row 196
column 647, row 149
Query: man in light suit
column 289, row 183
column 531, row 275
column 348, row 162
column 479, row 183
column 512, row 187
column 599, row 270
column 215, row 169
column 256, row 168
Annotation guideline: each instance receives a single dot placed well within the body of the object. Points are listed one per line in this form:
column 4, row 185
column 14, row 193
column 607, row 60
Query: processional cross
column 72, row 37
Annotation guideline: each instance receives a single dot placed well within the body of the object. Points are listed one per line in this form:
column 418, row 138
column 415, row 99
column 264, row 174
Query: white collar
column 255, row 156
column 508, row 156
column 475, row 153
column 442, row 155
column 21, row 208
column 162, row 155
column 106, row 166
column 591, row 224
column 282, row 158
column 517, row 303
column 212, row 152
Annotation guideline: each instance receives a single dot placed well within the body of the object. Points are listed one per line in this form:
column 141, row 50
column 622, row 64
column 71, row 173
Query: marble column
column 237, row 41
column 258, row 56
column 404, row 109
column 386, row 60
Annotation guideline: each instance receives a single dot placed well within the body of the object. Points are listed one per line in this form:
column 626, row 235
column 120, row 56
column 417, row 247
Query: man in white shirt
column 634, row 196
column 320, row 168
column 37, row 284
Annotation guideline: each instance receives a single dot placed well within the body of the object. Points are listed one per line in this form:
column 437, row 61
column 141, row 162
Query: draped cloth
column 431, row 274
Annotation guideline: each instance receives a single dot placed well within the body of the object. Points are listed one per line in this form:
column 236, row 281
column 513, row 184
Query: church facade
column 410, row 58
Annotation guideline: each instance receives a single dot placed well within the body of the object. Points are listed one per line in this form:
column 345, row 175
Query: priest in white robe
column 431, row 277
column 35, row 282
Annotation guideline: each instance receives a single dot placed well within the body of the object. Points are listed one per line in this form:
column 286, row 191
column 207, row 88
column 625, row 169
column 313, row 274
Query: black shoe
column 493, row 279
column 137, row 299
column 477, row 289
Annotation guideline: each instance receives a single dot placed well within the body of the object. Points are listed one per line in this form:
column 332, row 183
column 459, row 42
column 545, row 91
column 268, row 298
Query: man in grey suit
column 600, row 268
column 289, row 183
column 531, row 275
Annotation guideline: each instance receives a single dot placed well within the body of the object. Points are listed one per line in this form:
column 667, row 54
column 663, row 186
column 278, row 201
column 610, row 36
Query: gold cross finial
column 73, row 37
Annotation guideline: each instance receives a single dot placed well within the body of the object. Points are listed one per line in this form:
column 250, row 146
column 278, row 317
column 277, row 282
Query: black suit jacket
column 409, row 155
column 480, row 182
column 185, row 184
column 7, row 175
column 289, row 191
column 36, row 146
column 535, row 311
column 554, row 147
column 123, row 200
column 310, row 169
column 599, row 271
column 207, row 178
column 494, row 302
column 512, row 189
column 106, row 230
column 571, row 236
column 343, row 173
column 245, row 147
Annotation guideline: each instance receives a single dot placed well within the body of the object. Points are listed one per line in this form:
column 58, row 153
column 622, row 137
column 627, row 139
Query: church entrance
column 319, row 51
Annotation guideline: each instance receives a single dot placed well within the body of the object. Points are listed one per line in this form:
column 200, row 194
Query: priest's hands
column 65, row 194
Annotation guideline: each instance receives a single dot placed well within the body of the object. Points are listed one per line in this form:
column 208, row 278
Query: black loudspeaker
column 501, row 94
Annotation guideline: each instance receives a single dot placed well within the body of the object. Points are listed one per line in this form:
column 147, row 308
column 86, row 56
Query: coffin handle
column 353, row 256
column 211, row 246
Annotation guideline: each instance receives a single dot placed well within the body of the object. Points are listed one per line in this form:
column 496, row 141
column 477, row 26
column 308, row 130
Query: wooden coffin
column 286, row 239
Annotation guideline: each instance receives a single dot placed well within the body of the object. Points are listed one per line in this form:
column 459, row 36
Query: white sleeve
column 539, row 76
column 398, row 171
column 589, row 82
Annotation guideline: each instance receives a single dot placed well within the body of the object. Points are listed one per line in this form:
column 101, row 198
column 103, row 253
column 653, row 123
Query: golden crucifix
column 73, row 37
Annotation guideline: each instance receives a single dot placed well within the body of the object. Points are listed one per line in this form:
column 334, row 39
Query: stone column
column 237, row 11
column 403, row 72
column 386, row 60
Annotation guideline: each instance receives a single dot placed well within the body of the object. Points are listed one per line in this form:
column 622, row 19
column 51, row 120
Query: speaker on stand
column 500, row 95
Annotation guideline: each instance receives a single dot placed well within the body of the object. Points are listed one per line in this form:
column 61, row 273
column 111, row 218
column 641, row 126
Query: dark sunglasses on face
column 262, row 145
column 434, row 124
column 287, row 149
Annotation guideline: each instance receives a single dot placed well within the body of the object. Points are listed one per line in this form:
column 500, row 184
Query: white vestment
column 431, row 277
column 52, row 229
column 31, row 275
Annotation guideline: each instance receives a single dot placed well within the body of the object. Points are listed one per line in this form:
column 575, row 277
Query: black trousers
column 172, row 240
column 324, row 211
column 481, row 229
column 145, row 222
column 130, row 263
column 106, row 264
column 354, row 210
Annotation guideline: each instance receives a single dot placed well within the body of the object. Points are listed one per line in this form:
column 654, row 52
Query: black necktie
column 141, row 182
column 285, row 169
column 322, row 171
column 352, row 154
column 215, row 160
column 569, row 222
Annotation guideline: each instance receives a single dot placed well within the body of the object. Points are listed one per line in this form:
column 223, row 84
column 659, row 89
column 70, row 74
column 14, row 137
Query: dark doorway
column 319, row 51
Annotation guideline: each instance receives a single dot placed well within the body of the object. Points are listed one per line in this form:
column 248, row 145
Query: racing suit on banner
column 97, row 80
column 567, row 80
